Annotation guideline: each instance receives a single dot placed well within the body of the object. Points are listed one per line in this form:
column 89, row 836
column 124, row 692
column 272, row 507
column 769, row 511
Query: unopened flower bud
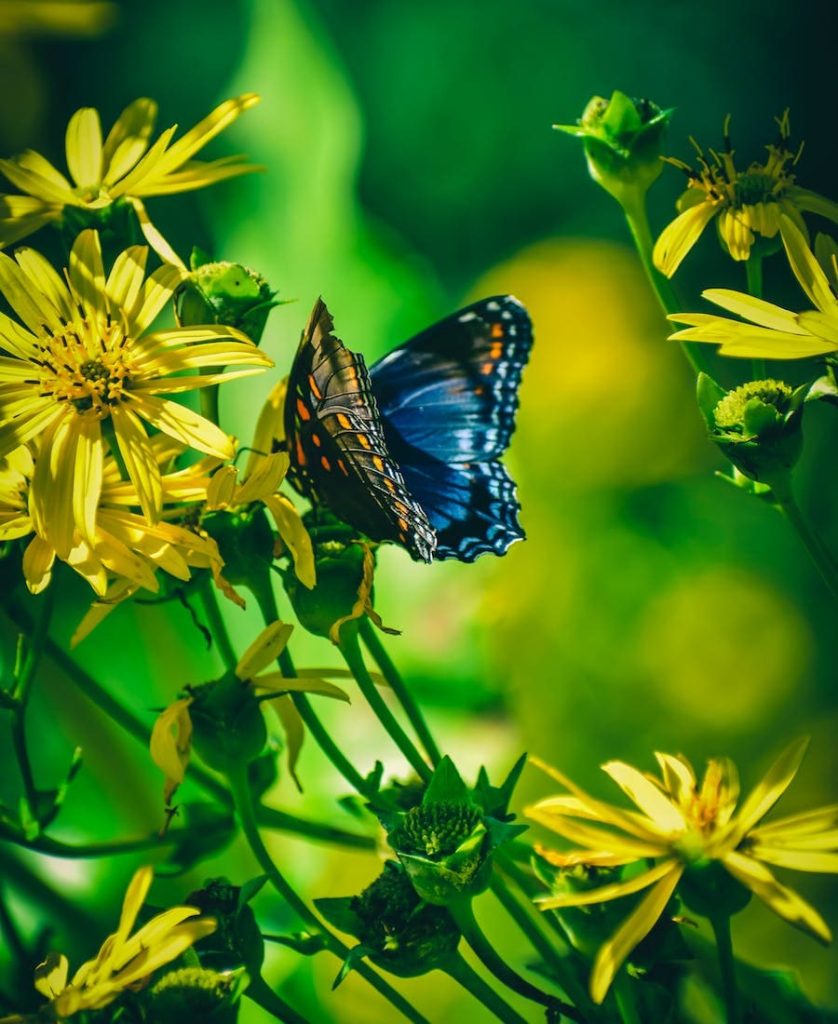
column 196, row 993
column 225, row 293
column 228, row 727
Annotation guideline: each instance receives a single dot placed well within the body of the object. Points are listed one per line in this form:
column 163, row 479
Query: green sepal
column 708, row 889
column 245, row 540
column 708, row 394
column 228, row 727
column 824, row 389
column 495, row 800
column 353, row 957
column 446, row 785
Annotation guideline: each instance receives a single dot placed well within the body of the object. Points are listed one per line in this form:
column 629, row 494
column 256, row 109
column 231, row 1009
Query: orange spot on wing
column 324, row 462
column 301, row 455
column 497, row 330
column 391, row 487
column 343, row 420
column 302, row 410
column 363, row 441
column 378, row 462
column 342, row 467
column 495, row 350
column 403, row 525
column 316, row 440
column 487, row 368
column 315, row 390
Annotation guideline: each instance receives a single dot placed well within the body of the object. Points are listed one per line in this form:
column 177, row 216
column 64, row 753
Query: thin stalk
column 724, row 950
column 388, row 669
column 80, row 851
column 263, row 995
column 250, row 827
column 818, row 551
column 540, row 943
column 351, row 651
column 465, row 975
column 624, row 998
column 217, row 625
column 753, row 273
column 638, row 223
column 463, row 914
column 208, row 398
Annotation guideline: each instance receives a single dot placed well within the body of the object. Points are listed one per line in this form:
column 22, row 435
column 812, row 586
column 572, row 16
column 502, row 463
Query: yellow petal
column 736, row 234
column 51, row 975
column 612, row 891
column 198, row 174
column 126, row 279
column 680, row 236
column 154, row 237
column 268, row 473
column 155, row 293
column 128, row 139
column 797, row 860
column 183, row 424
column 135, row 896
column 269, row 426
column 658, row 807
column 99, row 610
column 33, row 308
column 631, row 932
column 33, row 161
column 126, row 186
column 806, row 268
column 775, row 782
column 821, row 325
column 36, row 184
column 221, row 492
column 279, row 684
column 783, row 901
column 139, row 460
column 51, row 286
column 289, row 525
column 87, row 273
column 811, row 202
column 292, row 727
column 264, row 650
column 177, row 941
column 38, row 559
column 87, row 475
column 171, row 743
column 802, row 824
column 678, row 776
column 37, row 419
column 84, row 147
column 758, row 311
column 628, row 848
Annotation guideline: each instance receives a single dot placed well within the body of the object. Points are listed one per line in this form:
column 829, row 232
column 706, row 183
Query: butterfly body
column 409, row 450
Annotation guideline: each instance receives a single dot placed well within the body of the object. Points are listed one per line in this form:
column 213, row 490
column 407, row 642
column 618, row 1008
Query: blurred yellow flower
column 773, row 332
column 124, row 960
column 55, row 17
column 83, row 364
column 123, row 169
column 681, row 826
column 747, row 203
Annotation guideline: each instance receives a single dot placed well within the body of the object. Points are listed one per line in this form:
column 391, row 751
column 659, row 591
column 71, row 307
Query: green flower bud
column 237, row 940
column 245, row 540
column 196, row 993
column 758, row 426
column 228, row 727
column 622, row 139
column 224, row 293
column 708, row 888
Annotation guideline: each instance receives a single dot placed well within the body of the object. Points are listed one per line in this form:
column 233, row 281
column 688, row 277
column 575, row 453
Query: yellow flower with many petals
column 82, row 360
column 122, row 169
column 124, row 961
column 684, row 826
column 773, row 332
column 747, row 203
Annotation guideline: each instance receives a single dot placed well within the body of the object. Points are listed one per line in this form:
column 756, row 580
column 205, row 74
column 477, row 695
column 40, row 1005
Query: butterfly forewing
column 338, row 451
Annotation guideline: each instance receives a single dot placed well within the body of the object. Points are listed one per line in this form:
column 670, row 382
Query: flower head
column 748, row 204
column 682, row 828
column 121, row 170
column 124, row 961
column 771, row 331
column 82, row 361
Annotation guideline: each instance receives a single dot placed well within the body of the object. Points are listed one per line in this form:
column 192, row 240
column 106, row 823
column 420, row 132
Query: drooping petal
column 154, row 237
column 821, row 325
column 806, row 268
column 612, row 891
column 84, row 147
column 171, row 743
column 295, row 537
column 264, row 650
column 631, row 932
column 51, row 975
column 294, row 731
column 279, row 684
column 811, row 202
column 183, row 424
column 680, row 236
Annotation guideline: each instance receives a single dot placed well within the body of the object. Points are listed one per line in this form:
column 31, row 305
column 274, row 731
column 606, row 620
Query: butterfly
column 408, row 450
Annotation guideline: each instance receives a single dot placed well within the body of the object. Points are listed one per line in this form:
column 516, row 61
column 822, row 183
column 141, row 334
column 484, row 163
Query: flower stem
column 209, row 400
column 245, row 807
column 216, row 624
column 463, row 914
column 818, row 551
column 724, row 950
column 465, row 975
column 351, row 651
column 638, row 223
column 263, row 995
column 753, row 273
column 624, row 998
column 379, row 653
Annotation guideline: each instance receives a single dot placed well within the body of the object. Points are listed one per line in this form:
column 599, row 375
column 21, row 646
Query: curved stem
column 388, row 669
column 263, row 995
column 471, row 981
column 463, row 914
column 638, row 223
column 250, row 827
column 753, row 273
column 351, row 651
column 818, row 551
column 624, row 998
column 217, row 626
column 724, row 949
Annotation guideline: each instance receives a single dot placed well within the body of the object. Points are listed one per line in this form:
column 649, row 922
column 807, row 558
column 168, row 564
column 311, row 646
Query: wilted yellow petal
column 289, row 525
column 292, row 727
column 264, row 650
column 612, row 891
column 171, row 744
column 51, row 975
column 276, row 682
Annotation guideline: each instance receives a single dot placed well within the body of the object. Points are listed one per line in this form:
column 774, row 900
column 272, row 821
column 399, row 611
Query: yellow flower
column 83, row 361
column 124, row 960
column 124, row 549
column 264, row 472
column 55, row 17
column 747, row 203
column 682, row 826
column 773, row 332
column 123, row 169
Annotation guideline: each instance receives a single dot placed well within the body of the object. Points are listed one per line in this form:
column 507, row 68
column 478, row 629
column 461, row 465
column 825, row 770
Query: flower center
column 730, row 412
column 88, row 364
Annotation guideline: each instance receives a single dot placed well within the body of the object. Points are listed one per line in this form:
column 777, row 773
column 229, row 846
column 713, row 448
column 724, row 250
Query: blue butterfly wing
column 447, row 400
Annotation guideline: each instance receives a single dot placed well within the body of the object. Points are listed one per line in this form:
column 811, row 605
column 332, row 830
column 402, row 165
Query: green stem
column 250, row 827
column 463, row 914
column 540, row 943
column 388, row 669
column 209, row 400
column 217, row 625
column 624, row 998
column 351, row 651
column 263, row 995
column 465, row 975
column 77, row 851
column 638, row 223
column 753, row 272
column 724, row 950
column 820, row 554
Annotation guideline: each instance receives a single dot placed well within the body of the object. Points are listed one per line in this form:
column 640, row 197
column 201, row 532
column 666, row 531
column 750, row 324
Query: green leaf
column 824, row 389
column 446, row 785
column 338, row 912
column 495, row 799
column 250, row 889
column 207, row 829
column 708, row 394
column 355, row 955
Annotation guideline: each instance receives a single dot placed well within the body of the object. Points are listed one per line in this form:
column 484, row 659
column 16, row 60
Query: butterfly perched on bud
column 408, row 450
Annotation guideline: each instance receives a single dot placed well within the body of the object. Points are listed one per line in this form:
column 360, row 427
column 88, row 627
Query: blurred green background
column 411, row 167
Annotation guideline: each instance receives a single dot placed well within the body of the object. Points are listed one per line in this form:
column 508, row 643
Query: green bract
column 197, row 993
column 622, row 139
column 228, row 725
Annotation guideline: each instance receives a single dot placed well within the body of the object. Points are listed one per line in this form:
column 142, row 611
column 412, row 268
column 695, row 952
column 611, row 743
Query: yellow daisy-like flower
column 82, row 359
column 683, row 825
column 123, row 546
column 124, row 961
column 122, row 169
column 773, row 332
column 747, row 203
column 264, row 472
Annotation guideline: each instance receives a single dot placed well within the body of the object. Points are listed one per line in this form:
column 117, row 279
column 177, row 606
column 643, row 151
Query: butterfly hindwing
column 338, row 451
